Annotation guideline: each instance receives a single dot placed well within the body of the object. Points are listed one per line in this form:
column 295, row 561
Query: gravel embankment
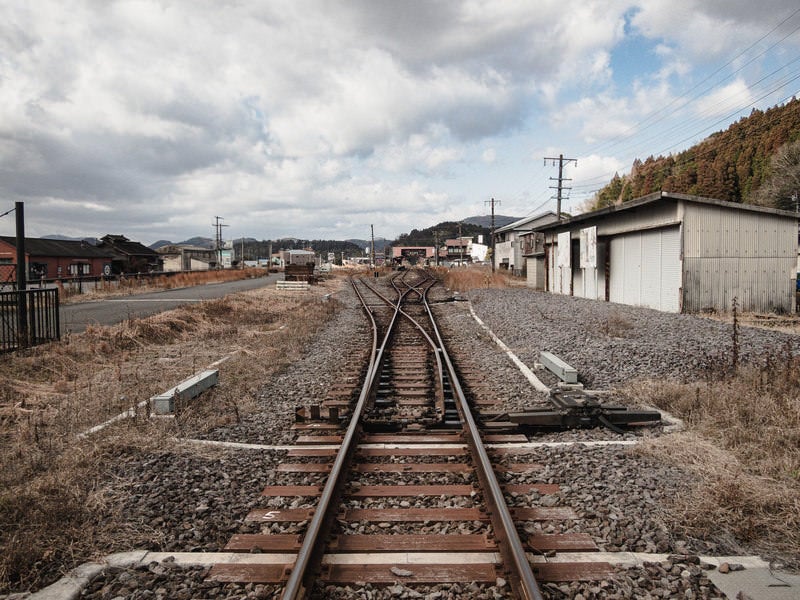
column 194, row 500
column 611, row 343
column 338, row 351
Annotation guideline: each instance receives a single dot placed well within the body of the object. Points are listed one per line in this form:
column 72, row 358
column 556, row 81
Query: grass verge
column 126, row 286
column 50, row 477
column 470, row 278
column 743, row 441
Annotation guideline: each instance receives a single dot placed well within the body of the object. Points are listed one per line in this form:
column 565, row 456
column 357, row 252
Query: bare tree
column 780, row 190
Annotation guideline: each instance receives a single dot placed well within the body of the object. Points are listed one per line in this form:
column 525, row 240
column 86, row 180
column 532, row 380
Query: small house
column 509, row 243
column 56, row 259
column 130, row 256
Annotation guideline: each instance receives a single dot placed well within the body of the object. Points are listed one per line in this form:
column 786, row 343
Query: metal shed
column 674, row 252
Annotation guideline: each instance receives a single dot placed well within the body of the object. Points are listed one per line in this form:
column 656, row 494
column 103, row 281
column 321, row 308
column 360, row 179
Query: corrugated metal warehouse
column 672, row 252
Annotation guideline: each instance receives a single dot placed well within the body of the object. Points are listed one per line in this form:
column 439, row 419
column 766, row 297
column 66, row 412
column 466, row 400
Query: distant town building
column 130, row 256
column 184, row 257
column 297, row 257
column 413, row 254
column 54, row 259
column 457, row 250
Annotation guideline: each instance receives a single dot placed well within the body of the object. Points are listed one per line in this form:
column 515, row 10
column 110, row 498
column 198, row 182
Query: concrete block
column 163, row 404
column 558, row 367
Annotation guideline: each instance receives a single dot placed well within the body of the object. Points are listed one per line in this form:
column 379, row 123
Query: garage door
column 645, row 269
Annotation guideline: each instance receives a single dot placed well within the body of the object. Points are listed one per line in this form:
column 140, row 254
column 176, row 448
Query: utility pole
column 561, row 162
column 492, row 202
column 372, row 258
column 460, row 248
column 22, row 278
column 436, row 249
column 217, row 225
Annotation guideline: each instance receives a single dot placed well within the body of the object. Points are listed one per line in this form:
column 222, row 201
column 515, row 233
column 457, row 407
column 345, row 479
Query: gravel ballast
column 611, row 344
column 176, row 501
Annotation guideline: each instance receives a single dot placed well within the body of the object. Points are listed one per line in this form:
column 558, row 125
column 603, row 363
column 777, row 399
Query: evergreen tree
column 729, row 165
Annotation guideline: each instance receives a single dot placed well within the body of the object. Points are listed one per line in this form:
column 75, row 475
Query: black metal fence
column 43, row 324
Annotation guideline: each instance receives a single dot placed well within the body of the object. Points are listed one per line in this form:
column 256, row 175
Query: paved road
column 75, row 317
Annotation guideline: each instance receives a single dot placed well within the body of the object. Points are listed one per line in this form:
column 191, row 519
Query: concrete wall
column 535, row 272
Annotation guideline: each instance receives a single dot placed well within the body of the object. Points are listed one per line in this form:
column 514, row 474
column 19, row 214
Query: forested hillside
column 729, row 165
column 444, row 231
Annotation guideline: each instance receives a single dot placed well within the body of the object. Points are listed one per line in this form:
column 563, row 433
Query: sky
column 319, row 120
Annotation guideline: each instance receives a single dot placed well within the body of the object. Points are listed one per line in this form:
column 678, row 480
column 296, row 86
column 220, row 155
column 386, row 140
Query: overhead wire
column 660, row 112
column 650, row 121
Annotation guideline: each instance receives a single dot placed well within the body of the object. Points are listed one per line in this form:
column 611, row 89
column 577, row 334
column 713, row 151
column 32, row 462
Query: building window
column 38, row 270
column 79, row 269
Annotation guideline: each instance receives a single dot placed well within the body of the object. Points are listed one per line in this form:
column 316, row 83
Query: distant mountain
column 63, row 238
column 486, row 221
column 380, row 243
column 202, row 242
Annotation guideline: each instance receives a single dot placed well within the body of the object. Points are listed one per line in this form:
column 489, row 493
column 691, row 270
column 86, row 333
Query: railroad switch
column 575, row 408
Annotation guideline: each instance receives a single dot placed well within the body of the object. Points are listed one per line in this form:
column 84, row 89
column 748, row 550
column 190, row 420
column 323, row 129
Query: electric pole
column 436, row 249
column 492, row 202
column 561, row 162
column 217, row 225
column 460, row 248
column 22, row 278
column 372, row 258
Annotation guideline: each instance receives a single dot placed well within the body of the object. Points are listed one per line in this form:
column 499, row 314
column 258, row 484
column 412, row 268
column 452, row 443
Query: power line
column 660, row 112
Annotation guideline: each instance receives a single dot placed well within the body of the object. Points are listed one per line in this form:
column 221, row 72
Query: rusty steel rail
column 310, row 553
column 512, row 551
column 425, row 284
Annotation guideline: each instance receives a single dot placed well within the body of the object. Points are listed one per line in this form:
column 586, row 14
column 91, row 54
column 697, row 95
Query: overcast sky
column 317, row 119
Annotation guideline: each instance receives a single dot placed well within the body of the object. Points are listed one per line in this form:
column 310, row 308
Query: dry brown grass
column 774, row 322
column 127, row 286
column 469, row 278
column 52, row 393
column 743, row 440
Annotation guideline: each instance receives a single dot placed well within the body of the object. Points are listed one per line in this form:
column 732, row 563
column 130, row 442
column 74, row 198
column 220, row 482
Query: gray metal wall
column 738, row 253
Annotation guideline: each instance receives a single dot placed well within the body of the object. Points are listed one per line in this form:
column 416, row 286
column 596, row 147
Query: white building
column 672, row 252
column 508, row 245
column 298, row 257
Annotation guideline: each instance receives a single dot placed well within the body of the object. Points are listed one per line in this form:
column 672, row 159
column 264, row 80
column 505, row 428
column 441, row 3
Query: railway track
column 402, row 485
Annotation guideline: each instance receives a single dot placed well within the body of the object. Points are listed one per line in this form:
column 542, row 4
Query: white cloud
column 706, row 30
column 306, row 116
column 724, row 100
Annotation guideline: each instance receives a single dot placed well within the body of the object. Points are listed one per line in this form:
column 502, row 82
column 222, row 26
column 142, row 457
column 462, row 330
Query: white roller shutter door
column 645, row 269
column 671, row 269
